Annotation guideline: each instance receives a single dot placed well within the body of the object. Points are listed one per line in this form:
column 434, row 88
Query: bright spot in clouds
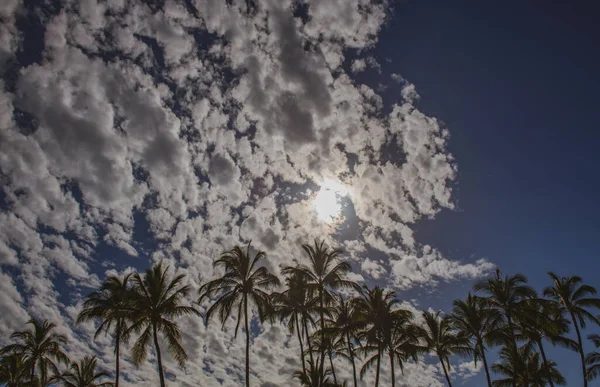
column 327, row 201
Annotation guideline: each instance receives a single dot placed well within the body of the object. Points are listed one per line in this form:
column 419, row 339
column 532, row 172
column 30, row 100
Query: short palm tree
column 472, row 319
column 111, row 305
column 323, row 274
column 314, row 377
column 243, row 282
column 403, row 343
column 575, row 299
column 13, row 372
column 39, row 348
column 84, row 374
column 593, row 359
column 440, row 338
column 506, row 294
column 523, row 368
column 157, row 300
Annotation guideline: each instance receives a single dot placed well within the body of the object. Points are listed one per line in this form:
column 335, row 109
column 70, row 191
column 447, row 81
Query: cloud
column 173, row 132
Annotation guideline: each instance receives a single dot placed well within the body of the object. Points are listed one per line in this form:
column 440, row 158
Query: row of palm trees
column 332, row 318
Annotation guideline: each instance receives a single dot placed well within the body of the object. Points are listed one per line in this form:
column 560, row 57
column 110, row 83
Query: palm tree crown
column 84, row 374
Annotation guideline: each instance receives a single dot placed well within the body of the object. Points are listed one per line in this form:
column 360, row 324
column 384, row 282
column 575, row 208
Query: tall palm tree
column 575, row 298
column 84, row 374
column 295, row 306
column 540, row 320
column 473, row 320
column 346, row 326
column 593, row 359
column 13, row 372
column 376, row 310
column 523, row 368
column 440, row 338
column 244, row 282
column 403, row 343
column 157, row 300
column 506, row 294
column 323, row 274
column 38, row 348
column 111, row 304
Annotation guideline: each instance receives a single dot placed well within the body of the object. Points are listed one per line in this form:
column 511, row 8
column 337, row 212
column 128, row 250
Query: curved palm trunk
column 580, row 349
column 301, row 345
column 485, row 364
column 332, row 369
column 158, row 357
column 445, row 373
column 322, row 312
column 378, row 366
column 543, row 353
column 351, row 352
column 392, row 369
column 312, row 361
column 247, row 341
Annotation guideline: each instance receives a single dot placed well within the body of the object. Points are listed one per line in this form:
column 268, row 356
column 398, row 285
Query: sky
column 432, row 142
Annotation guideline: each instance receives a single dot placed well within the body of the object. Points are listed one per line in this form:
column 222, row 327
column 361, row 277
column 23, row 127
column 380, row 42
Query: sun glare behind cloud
column 327, row 201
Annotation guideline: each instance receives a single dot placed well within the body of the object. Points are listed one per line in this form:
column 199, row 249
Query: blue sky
column 457, row 138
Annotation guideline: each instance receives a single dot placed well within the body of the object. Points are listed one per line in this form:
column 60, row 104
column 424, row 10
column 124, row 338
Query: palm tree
column 376, row 311
column 472, row 319
column 243, row 282
column 345, row 325
column 593, row 359
column 13, row 372
column 157, row 300
column 323, row 274
column 111, row 304
column 440, row 338
column 523, row 368
column 314, row 377
column 83, row 374
column 38, row 348
column 506, row 294
column 294, row 305
column 575, row 299
column 403, row 343
column 540, row 320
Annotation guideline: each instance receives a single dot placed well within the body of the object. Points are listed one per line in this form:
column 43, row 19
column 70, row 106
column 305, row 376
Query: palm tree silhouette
column 111, row 304
column 313, row 376
column 439, row 338
column 403, row 343
column 575, row 298
column 472, row 319
column 242, row 282
column 323, row 274
column 157, row 300
column 593, row 359
column 38, row 348
column 13, row 372
column 523, row 368
column 83, row 374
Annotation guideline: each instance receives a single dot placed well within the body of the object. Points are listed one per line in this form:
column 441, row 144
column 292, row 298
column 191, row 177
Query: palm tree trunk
column 312, row 361
column 446, row 373
column 117, row 352
column 351, row 352
column 322, row 369
column 247, row 341
column 485, row 364
column 392, row 368
column 513, row 338
column 33, row 374
column 580, row 349
column 378, row 365
column 332, row 369
column 158, row 357
column 301, row 345
column 543, row 353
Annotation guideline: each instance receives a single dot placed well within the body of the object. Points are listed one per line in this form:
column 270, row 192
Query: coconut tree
column 441, row 338
column 403, row 343
column 294, row 306
column 111, row 305
column 158, row 299
column 473, row 320
column 38, row 348
column 506, row 294
column 313, row 376
column 13, row 372
column 323, row 274
column 244, row 283
column 84, row 374
column 575, row 299
column 523, row 368
column 593, row 359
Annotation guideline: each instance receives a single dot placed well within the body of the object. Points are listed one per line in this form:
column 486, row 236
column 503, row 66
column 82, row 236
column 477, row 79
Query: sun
column 327, row 202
